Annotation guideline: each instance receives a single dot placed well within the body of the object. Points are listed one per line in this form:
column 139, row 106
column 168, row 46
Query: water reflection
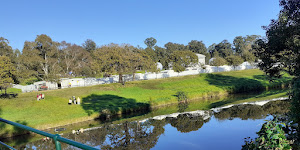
column 145, row 134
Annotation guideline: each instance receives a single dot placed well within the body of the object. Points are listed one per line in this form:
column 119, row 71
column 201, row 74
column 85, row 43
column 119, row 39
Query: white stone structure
column 201, row 59
column 78, row 82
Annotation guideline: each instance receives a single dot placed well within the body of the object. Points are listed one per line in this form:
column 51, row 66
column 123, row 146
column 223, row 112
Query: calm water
column 222, row 129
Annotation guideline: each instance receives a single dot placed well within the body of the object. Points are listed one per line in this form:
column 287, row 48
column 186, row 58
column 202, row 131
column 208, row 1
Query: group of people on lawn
column 73, row 100
column 40, row 96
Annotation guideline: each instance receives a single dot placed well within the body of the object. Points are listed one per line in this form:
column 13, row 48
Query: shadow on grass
column 233, row 84
column 9, row 95
column 112, row 104
column 281, row 79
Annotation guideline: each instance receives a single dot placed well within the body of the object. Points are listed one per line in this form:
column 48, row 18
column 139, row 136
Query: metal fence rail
column 57, row 138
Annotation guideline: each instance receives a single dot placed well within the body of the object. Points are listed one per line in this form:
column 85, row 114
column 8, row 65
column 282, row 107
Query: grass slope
column 55, row 111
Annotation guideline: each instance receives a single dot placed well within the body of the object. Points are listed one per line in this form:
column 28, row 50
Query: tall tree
column 41, row 57
column 197, row 47
column 5, row 49
column 140, row 60
column 162, row 56
column 73, row 58
column 234, row 60
column 212, row 49
column 224, row 48
column 280, row 52
column 183, row 59
column 171, row 47
column 7, row 72
column 89, row 45
column 150, row 42
column 244, row 44
column 218, row 61
column 240, row 45
column 115, row 59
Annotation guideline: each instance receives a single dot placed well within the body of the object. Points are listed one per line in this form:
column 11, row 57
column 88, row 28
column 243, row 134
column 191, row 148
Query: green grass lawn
column 116, row 98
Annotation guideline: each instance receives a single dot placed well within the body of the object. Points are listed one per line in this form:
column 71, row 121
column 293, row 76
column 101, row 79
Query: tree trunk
column 133, row 76
column 120, row 78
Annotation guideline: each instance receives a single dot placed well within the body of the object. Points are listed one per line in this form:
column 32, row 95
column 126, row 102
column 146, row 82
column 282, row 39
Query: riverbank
column 133, row 96
column 171, row 111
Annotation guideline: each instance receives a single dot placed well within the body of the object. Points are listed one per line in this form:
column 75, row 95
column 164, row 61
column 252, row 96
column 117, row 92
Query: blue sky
column 132, row 21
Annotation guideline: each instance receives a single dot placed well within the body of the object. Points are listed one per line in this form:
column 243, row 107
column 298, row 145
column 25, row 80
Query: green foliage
column 7, row 72
column 234, row 60
column 163, row 56
column 218, row 61
column 182, row 59
column 116, row 59
column 279, row 52
column 89, row 45
column 271, row 136
column 150, row 42
column 248, row 56
column 197, row 47
column 244, row 44
column 296, row 101
column 29, row 81
column 181, row 96
column 224, row 49
column 5, row 49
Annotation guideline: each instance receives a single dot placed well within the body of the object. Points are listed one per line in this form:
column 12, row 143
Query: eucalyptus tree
column 150, row 42
column 234, row 60
column 41, row 57
column 162, row 56
column 197, row 47
column 5, row 49
column 89, row 45
column 7, row 72
column 183, row 59
column 218, row 61
column 212, row 49
column 224, row 49
column 73, row 58
column 150, row 50
column 120, row 59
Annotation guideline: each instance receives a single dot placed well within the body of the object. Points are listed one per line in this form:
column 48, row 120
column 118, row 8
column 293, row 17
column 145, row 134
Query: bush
column 181, row 96
column 270, row 136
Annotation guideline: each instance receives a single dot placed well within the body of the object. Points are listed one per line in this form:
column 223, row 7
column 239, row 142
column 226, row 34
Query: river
column 175, row 127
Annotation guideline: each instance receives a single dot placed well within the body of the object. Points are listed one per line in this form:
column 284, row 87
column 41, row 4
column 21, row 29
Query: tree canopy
column 279, row 52
column 183, row 59
column 7, row 72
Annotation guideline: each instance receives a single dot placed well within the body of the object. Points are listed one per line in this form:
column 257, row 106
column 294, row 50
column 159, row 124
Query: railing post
column 57, row 143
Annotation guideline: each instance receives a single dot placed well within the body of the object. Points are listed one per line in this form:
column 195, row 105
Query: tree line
column 45, row 59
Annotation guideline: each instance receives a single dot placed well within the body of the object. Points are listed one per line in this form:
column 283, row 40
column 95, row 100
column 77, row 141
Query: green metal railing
column 57, row 138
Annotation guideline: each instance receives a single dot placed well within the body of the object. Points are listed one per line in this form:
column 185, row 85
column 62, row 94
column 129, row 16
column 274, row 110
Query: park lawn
column 135, row 95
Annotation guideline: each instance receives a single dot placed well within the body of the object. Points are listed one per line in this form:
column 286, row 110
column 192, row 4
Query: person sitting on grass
column 70, row 101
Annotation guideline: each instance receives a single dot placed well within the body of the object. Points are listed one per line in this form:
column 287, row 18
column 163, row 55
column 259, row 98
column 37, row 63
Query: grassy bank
column 191, row 106
column 116, row 98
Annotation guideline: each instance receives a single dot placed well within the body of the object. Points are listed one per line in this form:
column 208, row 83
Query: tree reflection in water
column 145, row 135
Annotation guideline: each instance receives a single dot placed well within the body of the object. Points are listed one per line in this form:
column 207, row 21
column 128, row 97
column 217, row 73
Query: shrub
column 181, row 96
column 270, row 136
